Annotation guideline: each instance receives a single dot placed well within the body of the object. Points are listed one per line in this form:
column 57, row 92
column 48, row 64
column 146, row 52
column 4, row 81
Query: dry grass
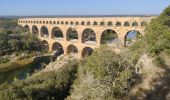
column 155, row 83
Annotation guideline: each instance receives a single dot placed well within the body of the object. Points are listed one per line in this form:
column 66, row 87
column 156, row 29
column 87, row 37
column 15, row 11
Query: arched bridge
column 81, row 35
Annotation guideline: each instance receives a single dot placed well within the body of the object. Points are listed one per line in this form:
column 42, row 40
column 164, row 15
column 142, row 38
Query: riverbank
column 5, row 67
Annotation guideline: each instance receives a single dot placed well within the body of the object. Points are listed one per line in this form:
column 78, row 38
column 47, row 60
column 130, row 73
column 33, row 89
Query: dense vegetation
column 15, row 39
column 43, row 86
column 104, row 75
column 17, row 49
column 158, row 34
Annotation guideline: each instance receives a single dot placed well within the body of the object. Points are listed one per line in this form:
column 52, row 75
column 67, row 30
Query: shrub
column 47, row 85
column 103, row 75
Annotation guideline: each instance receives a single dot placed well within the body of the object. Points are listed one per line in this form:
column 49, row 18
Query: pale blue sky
column 82, row 7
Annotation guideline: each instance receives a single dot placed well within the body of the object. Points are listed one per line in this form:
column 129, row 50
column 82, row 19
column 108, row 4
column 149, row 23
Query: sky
column 82, row 7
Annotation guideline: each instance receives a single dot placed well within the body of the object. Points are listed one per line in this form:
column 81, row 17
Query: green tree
column 158, row 33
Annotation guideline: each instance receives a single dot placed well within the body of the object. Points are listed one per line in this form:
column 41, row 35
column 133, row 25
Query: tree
column 104, row 75
column 158, row 33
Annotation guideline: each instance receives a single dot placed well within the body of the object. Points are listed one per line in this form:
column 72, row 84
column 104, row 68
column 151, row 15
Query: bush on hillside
column 104, row 75
column 47, row 85
column 158, row 34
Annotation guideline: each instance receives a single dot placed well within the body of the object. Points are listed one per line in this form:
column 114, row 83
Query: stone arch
column 56, row 33
column 88, row 36
column 66, row 22
column 134, row 24
column 58, row 22
column 51, row 22
column 40, row 22
column 27, row 28
column 95, row 23
column 110, row 23
column 82, row 23
column 143, row 23
column 126, row 24
column 109, row 36
column 88, row 23
column 45, row 46
column 46, row 22
column 72, row 49
column 54, row 22
column 71, row 23
column 72, row 34
column 35, row 30
column 44, row 31
column 87, row 51
column 77, row 23
column 102, row 23
column 62, row 22
column 118, row 23
column 43, row 22
column 57, row 49
column 131, row 36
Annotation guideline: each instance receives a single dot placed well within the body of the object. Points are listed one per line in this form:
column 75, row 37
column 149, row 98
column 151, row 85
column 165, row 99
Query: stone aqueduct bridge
column 45, row 29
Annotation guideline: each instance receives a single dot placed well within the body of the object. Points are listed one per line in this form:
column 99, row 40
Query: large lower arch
column 87, row 51
column 109, row 36
column 35, row 30
column 72, row 49
column 27, row 28
column 44, row 31
column 89, row 36
column 56, row 33
column 57, row 49
column 131, row 36
column 45, row 46
column 72, row 34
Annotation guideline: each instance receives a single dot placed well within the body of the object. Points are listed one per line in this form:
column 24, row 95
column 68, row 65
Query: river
column 23, row 71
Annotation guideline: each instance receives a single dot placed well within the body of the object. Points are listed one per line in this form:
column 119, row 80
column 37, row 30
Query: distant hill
column 53, row 16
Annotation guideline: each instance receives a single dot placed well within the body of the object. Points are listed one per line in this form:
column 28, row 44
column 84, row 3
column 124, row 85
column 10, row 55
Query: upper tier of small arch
column 90, row 21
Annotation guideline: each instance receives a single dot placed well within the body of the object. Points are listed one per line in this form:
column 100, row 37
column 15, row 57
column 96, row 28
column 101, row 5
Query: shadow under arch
column 72, row 49
column 72, row 34
column 87, row 51
column 45, row 46
column 109, row 36
column 56, row 33
column 44, row 31
column 88, row 36
column 35, row 30
column 126, row 23
column 26, row 28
